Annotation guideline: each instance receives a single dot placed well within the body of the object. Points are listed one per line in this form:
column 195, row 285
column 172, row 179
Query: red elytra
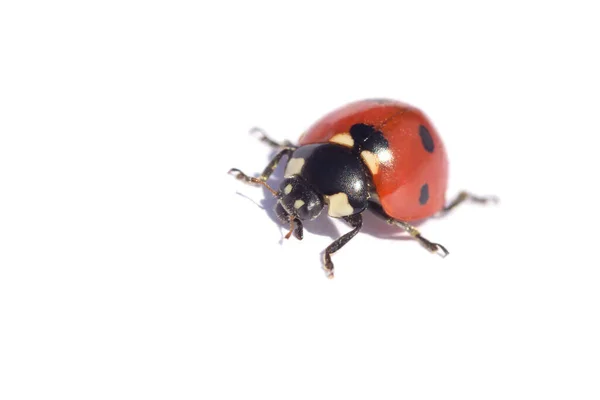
column 412, row 162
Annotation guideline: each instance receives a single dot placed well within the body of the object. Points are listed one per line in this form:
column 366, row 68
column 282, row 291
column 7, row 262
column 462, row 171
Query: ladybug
column 378, row 154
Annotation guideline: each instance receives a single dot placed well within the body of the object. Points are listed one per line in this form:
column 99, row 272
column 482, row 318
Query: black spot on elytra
column 361, row 132
column 424, row 197
column 426, row 138
column 367, row 137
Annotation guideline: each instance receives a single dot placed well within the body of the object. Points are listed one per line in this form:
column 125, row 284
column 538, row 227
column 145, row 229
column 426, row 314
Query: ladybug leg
column 263, row 137
column 464, row 196
column 356, row 222
column 251, row 180
column 414, row 232
column 286, row 152
column 266, row 172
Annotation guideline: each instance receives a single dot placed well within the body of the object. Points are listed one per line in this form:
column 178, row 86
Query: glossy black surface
column 366, row 137
column 332, row 168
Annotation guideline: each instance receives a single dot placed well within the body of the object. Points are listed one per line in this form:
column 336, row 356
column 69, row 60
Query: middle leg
column 269, row 169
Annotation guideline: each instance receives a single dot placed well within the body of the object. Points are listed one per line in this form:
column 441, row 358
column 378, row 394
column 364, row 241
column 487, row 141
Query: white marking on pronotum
column 287, row 189
column 343, row 138
column 339, row 205
column 371, row 160
column 294, row 166
column 298, row 204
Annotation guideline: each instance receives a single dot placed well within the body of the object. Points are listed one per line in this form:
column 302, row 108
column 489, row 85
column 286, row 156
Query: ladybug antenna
column 248, row 179
column 287, row 236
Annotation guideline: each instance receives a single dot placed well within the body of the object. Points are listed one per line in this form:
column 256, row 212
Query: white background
column 133, row 266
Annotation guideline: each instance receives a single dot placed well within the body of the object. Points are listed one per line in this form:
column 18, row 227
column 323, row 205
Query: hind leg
column 466, row 196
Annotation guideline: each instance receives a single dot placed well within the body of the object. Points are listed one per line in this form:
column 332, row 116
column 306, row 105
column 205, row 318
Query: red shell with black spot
column 418, row 156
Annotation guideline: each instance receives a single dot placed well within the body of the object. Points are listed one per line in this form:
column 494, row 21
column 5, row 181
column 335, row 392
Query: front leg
column 267, row 172
column 414, row 232
column 356, row 222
